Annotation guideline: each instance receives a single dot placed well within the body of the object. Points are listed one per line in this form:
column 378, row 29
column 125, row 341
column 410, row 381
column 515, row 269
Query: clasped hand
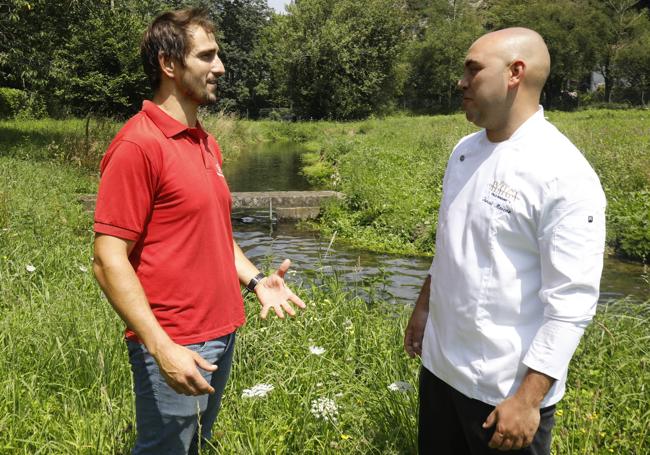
column 516, row 424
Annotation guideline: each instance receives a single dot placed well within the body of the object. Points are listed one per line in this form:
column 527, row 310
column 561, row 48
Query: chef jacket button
column 462, row 157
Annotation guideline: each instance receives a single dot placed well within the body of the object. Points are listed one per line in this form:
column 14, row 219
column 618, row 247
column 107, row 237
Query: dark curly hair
column 169, row 34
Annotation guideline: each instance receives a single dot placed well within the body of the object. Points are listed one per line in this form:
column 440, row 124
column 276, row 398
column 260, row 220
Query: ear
column 167, row 65
column 517, row 73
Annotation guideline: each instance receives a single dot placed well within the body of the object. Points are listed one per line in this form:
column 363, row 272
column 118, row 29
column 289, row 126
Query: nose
column 217, row 67
column 462, row 83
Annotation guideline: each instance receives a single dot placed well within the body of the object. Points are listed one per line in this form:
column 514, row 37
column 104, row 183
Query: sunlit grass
column 65, row 384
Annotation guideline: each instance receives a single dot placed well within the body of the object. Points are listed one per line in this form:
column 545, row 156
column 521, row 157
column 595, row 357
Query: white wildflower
column 258, row 390
column 348, row 325
column 400, row 386
column 30, row 268
column 316, row 350
column 325, row 408
column 83, row 269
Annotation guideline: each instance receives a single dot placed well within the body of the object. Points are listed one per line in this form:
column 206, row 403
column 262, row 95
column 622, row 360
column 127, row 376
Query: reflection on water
column 266, row 167
column 393, row 278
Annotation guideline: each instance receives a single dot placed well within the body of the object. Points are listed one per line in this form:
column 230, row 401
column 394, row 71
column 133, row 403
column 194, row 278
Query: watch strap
column 250, row 287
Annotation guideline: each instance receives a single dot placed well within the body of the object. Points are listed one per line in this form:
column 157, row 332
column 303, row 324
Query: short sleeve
column 126, row 191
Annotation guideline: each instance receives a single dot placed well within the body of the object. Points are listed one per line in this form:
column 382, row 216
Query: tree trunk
column 609, row 82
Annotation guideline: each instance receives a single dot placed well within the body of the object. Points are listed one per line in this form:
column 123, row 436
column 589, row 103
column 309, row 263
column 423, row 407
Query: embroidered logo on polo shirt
column 500, row 196
column 213, row 157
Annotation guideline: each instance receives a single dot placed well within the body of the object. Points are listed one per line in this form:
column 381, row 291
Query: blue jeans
column 168, row 422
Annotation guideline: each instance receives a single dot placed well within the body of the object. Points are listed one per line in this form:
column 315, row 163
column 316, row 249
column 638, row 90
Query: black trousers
column 451, row 423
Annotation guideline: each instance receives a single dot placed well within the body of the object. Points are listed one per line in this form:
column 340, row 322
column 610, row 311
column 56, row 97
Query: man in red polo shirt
column 164, row 252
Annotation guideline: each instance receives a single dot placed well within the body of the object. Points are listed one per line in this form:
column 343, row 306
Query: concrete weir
column 286, row 205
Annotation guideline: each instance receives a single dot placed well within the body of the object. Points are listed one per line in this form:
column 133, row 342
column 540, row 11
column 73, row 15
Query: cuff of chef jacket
column 553, row 347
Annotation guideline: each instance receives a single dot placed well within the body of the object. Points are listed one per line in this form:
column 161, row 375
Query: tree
column 632, row 63
column 571, row 30
column 98, row 70
column 31, row 31
column 241, row 25
column 442, row 32
column 621, row 23
column 336, row 57
column 617, row 27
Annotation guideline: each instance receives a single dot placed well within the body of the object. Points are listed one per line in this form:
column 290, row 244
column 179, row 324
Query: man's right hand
column 414, row 332
column 179, row 365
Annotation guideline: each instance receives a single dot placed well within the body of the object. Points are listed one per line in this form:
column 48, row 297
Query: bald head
column 505, row 72
column 520, row 44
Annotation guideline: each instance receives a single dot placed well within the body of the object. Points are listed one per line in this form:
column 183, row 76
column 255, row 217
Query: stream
column 393, row 278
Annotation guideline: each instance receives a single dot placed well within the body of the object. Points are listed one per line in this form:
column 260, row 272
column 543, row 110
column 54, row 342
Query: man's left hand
column 516, row 422
column 272, row 292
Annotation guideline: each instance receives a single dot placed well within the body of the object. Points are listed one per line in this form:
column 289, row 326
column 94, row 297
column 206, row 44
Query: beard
column 199, row 91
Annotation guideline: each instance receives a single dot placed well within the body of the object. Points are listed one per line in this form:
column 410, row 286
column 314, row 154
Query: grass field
column 65, row 385
column 391, row 172
column 377, row 162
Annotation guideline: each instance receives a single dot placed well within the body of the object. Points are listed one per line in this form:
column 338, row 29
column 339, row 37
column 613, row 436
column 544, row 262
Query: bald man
column 519, row 253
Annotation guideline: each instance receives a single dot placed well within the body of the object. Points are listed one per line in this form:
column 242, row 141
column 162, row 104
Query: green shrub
column 19, row 104
column 12, row 101
column 318, row 172
column 629, row 224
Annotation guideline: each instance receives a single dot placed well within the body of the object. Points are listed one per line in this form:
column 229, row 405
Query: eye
column 207, row 56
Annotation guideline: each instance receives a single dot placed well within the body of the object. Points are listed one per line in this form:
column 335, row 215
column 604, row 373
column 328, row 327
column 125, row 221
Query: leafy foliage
column 336, row 57
column 244, row 88
column 433, row 64
column 98, row 69
column 12, row 101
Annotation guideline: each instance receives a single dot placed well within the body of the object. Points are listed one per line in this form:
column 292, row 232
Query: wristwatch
column 250, row 287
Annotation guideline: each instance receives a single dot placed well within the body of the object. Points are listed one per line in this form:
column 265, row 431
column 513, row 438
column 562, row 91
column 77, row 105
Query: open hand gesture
column 272, row 292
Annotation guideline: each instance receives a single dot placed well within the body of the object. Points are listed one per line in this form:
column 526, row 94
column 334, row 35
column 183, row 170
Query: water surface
column 266, row 167
column 394, row 278
column 390, row 277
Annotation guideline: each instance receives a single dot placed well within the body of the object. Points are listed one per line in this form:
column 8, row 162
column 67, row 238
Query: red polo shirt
column 162, row 187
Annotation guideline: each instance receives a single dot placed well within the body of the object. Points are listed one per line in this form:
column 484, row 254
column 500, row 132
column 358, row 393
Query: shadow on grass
column 77, row 142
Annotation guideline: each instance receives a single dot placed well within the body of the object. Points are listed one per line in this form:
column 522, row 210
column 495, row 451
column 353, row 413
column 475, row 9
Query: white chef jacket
column 519, row 253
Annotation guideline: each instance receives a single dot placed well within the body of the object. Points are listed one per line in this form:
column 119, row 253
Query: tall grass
column 389, row 169
column 82, row 142
column 65, row 385
column 391, row 172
